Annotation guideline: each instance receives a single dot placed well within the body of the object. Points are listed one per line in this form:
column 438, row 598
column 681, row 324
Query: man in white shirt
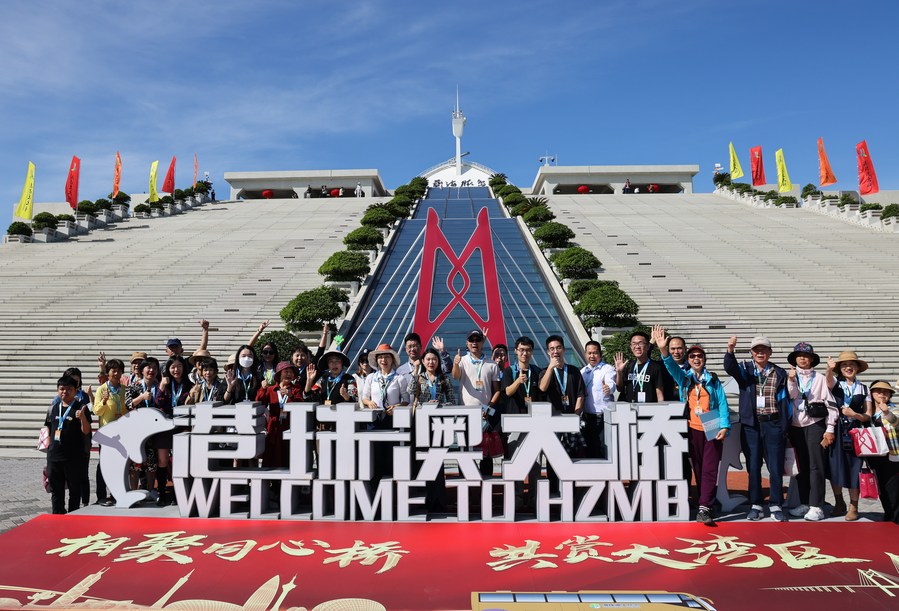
column 478, row 385
column 599, row 378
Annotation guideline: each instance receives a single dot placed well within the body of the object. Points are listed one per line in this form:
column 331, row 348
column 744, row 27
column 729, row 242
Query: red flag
column 117, row 175
column 168, row 185
column 867, row 179
column 196, row 168
column 758, row 166
column 825, row 173
column 72, row 183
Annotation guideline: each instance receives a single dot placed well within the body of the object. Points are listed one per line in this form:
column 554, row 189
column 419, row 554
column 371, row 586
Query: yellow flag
column 154, row 196
column 25, row 209
column 783, row 179
column 736, row 171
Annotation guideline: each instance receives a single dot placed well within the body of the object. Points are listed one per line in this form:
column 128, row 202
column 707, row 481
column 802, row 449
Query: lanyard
column 268, row 373
column 762, row 381
column 527, row 386
column 638, row 375
column 563, row 382
column 385, row 382
column 207, row 393
column 432, row 387
column 804, row 389
column 282, row 400
column 115, row 393
column 333, row 382
column 478, row 365
column 246, row 382
column 847, row 391
column 152, row 393
column 62, row 416
column 176, row 394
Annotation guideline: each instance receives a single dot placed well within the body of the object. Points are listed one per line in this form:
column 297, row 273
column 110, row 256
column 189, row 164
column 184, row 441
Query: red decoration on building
column 268, row 193
column 481, row 239
column 583, row 189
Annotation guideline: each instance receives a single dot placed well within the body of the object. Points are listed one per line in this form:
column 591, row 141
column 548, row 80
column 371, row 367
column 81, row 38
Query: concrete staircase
column 709, row 268
column 133, row 286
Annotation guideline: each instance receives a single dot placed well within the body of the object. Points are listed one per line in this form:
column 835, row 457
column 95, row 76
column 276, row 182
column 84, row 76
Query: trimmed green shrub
column 378, row 217
column 830, row 196
column 521, row 209
column 65, row 217
column 167, row 199
column 553, row 235
column 309, row 310
column 786, row 199
column 103, row 204
column 538, row 201
column 157, row 205
column 770, row 196
column 286, row 342
column 404, row 191
column 178, row 194
column 721, row 179
column 741, row 187
column 122, row 199
column 577, row 288
column 890, row 211
column 514, row 199
column 809, row 190
column 576, row 262
column 345, row 265
column 846, row 198
column 496, row 181
column 364, row 238
column 203, row 187
column 419, row 185
column 621, row 342
column 400, row 206
column 43, row 220
column 866, row 207
column 537, row 216
column 507, row 190
column 87, row 207
column 18, row 228
column 607, row 306
column 142, row 209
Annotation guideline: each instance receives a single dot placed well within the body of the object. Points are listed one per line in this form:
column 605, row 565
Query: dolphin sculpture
column 123, row 440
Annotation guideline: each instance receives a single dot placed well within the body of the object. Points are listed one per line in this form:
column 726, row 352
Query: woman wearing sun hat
column 384, row 390
column 886, row 468
column 854, row 402
column 811, row 429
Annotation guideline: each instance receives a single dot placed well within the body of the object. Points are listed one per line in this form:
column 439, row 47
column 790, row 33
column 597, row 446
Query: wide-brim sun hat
column 383, row 349
column 198, row 355
column 323, row 361
column 285, row 365
column 806, row 349
column 881, row 385
column 138, row 356
column 850, row 355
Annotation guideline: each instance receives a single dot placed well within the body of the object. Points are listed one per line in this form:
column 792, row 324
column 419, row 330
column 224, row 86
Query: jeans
column 764, row 440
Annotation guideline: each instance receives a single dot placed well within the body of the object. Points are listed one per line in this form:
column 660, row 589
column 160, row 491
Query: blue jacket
column 744, row 374
column 686, row 380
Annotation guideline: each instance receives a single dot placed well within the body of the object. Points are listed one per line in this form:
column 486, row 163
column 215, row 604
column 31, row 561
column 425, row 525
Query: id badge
column 478, row 384
column 57, row 435
column 527, row 401
column 328, row 402
column 760, row 401
column 697, row 410
column 641, row 397
column 565, row 401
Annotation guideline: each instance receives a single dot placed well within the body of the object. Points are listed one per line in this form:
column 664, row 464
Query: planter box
column 46, row 235
column 870, row 217
column 351, row 287
column 69, row 229
column 85, row 221
column 890, row 224
column 105, row 217
column 121, row 211
column 157, row 212
column 143, row 215
column 170, row 209
column 17, row 239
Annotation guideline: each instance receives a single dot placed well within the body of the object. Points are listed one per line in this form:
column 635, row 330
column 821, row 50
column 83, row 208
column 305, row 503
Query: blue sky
column 283, row 85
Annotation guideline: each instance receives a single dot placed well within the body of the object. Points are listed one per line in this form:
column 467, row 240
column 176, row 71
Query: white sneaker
column 814, row 514
column 798, row 512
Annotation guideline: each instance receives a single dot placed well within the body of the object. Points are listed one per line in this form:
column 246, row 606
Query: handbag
column 867, row 484
column 43, row 439
column 816, row 409
column 869, row 441
column 491, row 444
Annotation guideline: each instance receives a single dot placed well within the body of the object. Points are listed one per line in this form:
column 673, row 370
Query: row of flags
column 25, row 207
column 867, row 178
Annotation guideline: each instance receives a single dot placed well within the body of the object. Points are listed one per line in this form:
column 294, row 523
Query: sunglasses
column 695, row 356
column 268, row 352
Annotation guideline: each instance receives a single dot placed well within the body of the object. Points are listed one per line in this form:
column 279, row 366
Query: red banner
column 117, row 175
column 867, row 178
column 196, row 169
column 72, row 183
column 79, row 560
column 168, row 185
column 758, row 166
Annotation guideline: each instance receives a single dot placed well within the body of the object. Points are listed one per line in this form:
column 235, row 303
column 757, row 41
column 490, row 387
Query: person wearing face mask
column 639, row 379
column 703, row 393
column 856, row 410
column 244, row 381
column 765, row 414
column 811, row 429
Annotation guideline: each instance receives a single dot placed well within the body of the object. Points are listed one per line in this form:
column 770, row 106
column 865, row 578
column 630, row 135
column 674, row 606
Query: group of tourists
column 809, row 410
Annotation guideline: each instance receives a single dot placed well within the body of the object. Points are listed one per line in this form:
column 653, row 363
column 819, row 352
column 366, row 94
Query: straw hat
column 383, row 349
column 138, row 356
column 850, row 355
column 881, row 385
column 806, row 349
column 198, row 355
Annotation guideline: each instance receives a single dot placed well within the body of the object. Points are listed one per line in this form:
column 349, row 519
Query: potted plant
column 785, row 201
column 43, row 227
column 870, row 214
column 889, row 217
column 309, row 310
column 607, row 306
column 378, row 216
column 18, row 232
column 85, row 215
column 345, row 266
column 120, row 203
column 364, row 238
column 576, row 262
column 65, row 224
column 553, row 235
column 577, row 288
column 537, row 216
column 143, row 211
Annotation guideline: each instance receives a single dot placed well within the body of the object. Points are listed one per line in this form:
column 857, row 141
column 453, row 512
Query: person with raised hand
column 704, row 394
column 811, row 429
column 639, row 379
column 478, row 386
column 765, row 414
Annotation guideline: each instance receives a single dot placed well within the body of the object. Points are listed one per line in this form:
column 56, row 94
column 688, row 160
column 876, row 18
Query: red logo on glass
column 482, row 240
